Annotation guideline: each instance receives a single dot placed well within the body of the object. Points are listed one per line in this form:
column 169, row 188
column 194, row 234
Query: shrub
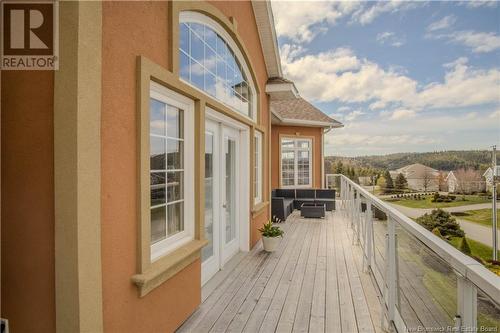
column 464, row 246
column 452, row 197
column 436, row 232
column 444, row 221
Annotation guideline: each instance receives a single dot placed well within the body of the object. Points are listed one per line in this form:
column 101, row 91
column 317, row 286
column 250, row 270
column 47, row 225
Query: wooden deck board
column 312, row 283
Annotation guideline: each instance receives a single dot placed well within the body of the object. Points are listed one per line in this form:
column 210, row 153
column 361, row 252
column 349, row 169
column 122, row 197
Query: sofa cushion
column 305, row 194
column 325, row 194
column 285, row 193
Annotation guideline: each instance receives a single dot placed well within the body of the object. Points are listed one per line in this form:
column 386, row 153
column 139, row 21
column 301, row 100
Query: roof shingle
column 300, row 109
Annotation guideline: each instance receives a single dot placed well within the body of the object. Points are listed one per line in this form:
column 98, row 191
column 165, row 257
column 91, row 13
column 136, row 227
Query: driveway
column 473, row 230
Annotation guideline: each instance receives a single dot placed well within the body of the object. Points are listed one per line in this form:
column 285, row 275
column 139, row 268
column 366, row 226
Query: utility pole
column 494, row 178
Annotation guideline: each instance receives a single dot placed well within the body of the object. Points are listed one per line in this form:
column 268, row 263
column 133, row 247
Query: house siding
column 28, row 278
column 132, row 29
column 291, row 131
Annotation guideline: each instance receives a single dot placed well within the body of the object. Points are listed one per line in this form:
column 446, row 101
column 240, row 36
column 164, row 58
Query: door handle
column 224, row 205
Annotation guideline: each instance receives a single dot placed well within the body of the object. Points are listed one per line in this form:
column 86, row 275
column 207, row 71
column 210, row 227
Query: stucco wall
column 131, row 29
column 28, row 299
column 314, row 132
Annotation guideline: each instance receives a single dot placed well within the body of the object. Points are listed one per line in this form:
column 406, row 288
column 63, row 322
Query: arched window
column 210, row 60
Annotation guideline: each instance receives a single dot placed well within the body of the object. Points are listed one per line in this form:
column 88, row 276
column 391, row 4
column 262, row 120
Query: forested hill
column 443, row 160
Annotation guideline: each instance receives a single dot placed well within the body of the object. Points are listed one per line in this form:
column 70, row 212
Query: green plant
column 269, row 230
column 436, row 232
column 442, row 220
column 464, row 246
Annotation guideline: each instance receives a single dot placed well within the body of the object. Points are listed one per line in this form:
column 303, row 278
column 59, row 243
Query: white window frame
column 196, row 17
column 169, row 244
column 258, row 146
column 296, row 150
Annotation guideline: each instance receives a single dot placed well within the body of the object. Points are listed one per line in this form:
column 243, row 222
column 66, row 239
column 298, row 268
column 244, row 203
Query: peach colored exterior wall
column 314, row 132
column 131, row 29
column 28, row 286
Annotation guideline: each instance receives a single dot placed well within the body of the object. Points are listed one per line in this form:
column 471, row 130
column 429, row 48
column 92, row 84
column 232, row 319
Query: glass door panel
column 230, row 188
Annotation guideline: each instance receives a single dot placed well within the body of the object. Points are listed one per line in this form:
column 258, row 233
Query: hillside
column 444, row 160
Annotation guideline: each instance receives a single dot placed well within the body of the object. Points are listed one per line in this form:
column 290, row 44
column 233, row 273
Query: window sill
column 259, row 208
column 167, row 266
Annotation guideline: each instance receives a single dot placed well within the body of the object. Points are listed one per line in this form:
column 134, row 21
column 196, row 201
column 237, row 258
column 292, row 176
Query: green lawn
column 480, row 216
column 427, row 203
column 478, row 249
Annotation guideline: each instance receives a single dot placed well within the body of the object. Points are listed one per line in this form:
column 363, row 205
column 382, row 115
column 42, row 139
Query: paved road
column 474, row 231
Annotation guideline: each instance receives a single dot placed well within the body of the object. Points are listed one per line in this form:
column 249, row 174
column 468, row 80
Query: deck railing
column 425, row 283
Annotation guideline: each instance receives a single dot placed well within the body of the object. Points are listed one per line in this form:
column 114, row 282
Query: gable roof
column 298, row 111
column 417, row 171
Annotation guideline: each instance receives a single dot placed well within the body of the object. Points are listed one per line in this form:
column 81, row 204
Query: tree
column 468, row 180
column 381, row 182
column 400, row 183
column 339, row 168
column 427, row 179
column 389, row 184
column 444, row 221
column 464, row 246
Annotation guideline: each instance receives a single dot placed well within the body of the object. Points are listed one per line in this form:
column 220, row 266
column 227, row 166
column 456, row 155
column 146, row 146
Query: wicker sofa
column 284, row 201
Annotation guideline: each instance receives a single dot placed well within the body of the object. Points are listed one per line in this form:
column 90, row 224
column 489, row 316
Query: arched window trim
column 197, row 17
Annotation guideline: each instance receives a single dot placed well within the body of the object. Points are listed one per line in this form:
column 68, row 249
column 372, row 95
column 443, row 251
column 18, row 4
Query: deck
column 314, row 282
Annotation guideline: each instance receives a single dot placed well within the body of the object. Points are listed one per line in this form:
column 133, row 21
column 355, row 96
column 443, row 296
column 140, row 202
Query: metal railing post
column 391, row 269
column 466, row 305
column 368, row 236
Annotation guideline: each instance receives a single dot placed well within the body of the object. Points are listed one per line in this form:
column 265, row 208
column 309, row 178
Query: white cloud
column 390, row 38
column 495, row 114
column 343, row 109
column 443, row 23
column 302, row 21
column 479, row 42
column 339, row 75
column 401, row 114
column 354, row 115
column 368, row 13
column 478, row 3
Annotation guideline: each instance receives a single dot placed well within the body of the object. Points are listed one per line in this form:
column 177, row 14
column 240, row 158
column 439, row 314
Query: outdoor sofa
column 284, row 201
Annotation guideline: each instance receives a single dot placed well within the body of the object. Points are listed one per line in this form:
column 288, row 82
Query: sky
column 401, row 76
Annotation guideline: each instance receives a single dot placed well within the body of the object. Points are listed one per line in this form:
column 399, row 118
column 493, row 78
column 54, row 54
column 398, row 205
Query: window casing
column 257, row 180
column 210, row 60
column 296, row 162
column 171, row 140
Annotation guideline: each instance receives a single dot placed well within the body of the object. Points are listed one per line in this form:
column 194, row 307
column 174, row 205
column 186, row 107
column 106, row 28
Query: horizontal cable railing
column 426, row 284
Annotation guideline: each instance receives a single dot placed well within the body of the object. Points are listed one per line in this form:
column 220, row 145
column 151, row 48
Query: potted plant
column 270, row 234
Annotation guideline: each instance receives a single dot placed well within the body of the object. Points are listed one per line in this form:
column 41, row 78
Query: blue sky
column 402, row 76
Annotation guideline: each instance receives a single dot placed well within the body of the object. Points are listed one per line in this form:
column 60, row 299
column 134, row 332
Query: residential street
column 473, row 230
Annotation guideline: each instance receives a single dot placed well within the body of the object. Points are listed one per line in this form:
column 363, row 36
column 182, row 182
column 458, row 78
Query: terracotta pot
column 270, row 243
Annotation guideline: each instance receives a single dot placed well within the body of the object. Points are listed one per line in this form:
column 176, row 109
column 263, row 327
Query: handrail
column 468, row 268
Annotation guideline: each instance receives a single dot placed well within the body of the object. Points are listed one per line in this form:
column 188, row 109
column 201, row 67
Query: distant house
column 465, row 181
column 488, row 175
column 419, row 177
column 365, row 180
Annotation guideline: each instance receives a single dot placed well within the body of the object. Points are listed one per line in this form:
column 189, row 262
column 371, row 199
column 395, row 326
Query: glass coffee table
column 313, row 210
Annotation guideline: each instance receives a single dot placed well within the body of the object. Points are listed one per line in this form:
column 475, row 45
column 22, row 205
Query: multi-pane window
column 167, row 179
column 296, row 162
column 257, row 181
column 208, row 62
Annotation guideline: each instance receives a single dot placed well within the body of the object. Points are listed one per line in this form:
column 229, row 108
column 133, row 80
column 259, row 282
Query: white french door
column 222, row 156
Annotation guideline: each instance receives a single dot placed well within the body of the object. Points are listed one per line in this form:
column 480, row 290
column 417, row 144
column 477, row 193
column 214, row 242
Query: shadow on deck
column 314, row 282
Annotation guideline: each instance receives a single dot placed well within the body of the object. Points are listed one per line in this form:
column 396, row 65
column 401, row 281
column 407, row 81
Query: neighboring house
column 419, row 177
column 365, row 180
column 488, row 176
column 149, row 155
column 465, row 181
